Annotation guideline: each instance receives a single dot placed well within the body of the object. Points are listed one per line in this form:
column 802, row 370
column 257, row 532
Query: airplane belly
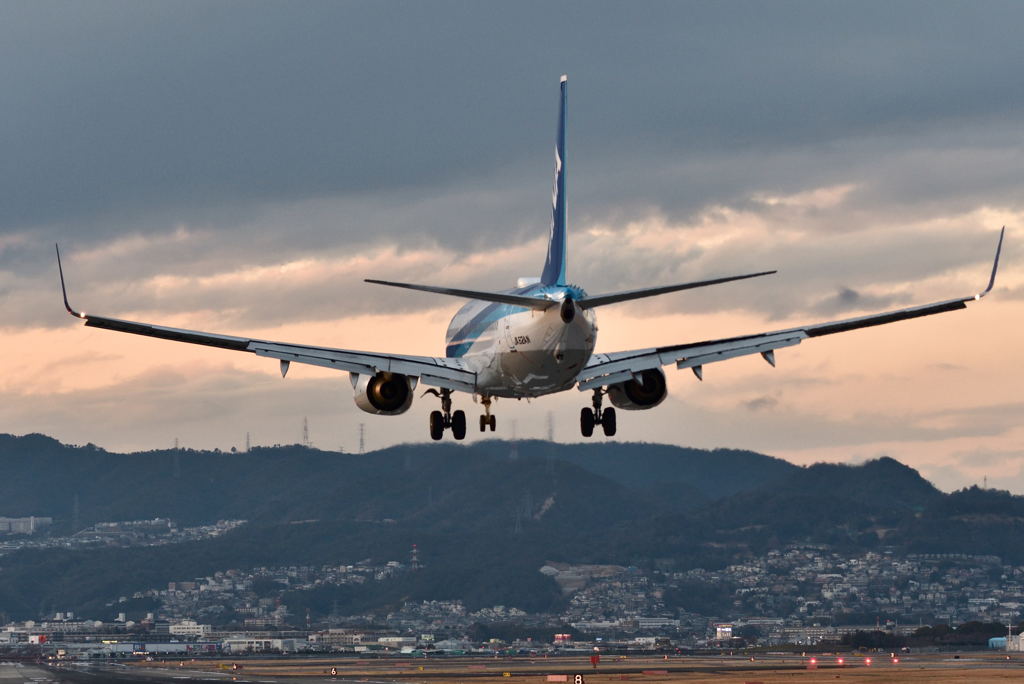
column 539, row 354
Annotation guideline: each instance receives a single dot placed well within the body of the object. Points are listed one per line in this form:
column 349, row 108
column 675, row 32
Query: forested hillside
column 485, row 516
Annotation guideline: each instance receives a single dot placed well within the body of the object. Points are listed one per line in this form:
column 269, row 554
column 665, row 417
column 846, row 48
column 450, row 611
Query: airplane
column 535, row 339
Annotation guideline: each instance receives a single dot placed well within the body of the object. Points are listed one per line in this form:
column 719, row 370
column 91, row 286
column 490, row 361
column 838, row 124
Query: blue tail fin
column 554, row 266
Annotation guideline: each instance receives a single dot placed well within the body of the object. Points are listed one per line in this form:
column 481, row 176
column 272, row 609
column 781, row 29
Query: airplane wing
column 609, row 369
column 435, row 371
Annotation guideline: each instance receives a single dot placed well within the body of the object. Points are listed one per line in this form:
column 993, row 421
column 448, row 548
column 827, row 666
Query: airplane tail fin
column 554, row 266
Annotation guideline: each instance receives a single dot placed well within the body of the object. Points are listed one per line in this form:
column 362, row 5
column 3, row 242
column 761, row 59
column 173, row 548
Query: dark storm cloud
column 114, row 110
column 273, row 131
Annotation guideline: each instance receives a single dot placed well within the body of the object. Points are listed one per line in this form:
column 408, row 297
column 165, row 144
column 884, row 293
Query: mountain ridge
column 486, row 516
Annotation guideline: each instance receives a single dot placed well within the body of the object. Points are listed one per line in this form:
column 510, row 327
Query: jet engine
column 386, row 394
column 646, row 392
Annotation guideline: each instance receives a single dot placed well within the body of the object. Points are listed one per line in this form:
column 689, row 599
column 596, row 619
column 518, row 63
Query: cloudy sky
column 240, row 167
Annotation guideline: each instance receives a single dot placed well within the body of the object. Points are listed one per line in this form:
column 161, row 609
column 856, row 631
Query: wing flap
column 448, row 382
column 353, row 363
column 608, row 369
column 701, row 355
column 437, row 372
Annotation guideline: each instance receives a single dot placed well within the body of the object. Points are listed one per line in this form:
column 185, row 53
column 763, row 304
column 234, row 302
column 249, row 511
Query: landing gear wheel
column 493, row 423
column 586, row 422
column 608, row 422
column 487, row 420
column 436, row 425
column 459, row 425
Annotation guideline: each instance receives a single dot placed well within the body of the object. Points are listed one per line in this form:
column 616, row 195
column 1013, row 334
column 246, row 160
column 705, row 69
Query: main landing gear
column 487, row 420
column 589, row 417
column 445, row 418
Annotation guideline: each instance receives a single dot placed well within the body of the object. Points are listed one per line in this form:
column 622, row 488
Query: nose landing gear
column 589, row 417
column 487, row 420
column 445, row 418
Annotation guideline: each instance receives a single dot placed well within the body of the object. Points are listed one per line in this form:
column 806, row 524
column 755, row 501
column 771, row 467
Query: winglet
column 995, row 266
column 64, row 289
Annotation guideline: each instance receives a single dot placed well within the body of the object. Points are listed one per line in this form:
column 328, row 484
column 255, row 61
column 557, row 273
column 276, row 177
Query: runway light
column 867, row 661
column 840, row 661
column 895, row 661
column 814, row 661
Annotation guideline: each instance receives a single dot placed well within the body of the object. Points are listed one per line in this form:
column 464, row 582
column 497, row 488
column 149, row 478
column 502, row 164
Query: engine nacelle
column 386, row 394
column 634, row 396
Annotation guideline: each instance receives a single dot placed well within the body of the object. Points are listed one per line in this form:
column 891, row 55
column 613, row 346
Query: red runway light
column 867, row 661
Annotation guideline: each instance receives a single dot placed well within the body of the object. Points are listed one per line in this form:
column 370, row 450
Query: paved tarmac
column 25, row 674
column 766, row 669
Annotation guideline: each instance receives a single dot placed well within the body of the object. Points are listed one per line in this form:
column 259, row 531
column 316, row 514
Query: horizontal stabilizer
column 615, row 297
column 500, row 297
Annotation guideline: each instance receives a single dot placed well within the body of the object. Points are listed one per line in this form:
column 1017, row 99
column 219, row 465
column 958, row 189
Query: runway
column 25, row 674
column 772, row 669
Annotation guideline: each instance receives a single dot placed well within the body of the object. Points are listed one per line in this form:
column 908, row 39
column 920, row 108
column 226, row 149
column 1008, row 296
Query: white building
column 189, row 628
column 396, row 641
column 29, row 525
column 261, row 645
column 656, row 622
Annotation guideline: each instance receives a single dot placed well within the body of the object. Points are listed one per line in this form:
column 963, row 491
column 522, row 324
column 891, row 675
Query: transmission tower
column 362, row 438
column 551, row 426
column 248, row 443
column 414, row 558
column 305, row 432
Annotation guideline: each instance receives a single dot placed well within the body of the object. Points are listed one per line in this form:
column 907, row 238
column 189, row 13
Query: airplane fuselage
column 519, row 352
